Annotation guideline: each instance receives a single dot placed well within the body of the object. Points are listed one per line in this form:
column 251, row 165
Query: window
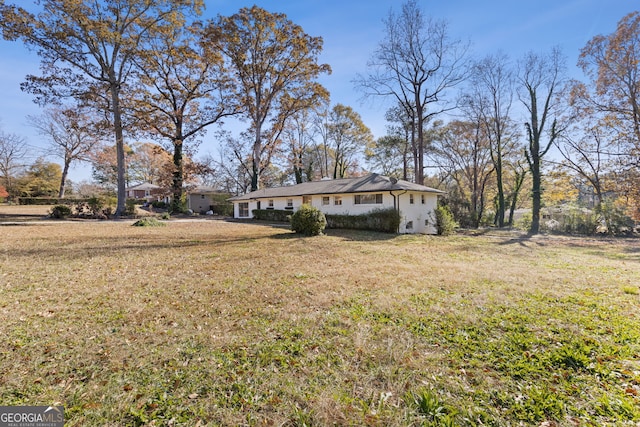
column 409, row 225
column 337, row 200
column 325, row 200
column 202, row 196
column 410, row 199
column 422, row 198
column 306, row 200
column 243, row 210
column 368, row 199
column 289, row 204
column 270, row 204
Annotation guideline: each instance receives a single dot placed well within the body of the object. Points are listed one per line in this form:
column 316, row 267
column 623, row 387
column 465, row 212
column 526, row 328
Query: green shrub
column 158, row 204
column 224, row 209
column 178, row 205
column 384, row 220
column 60, row 212
column 524, row 222
column 271, row 215
column 308, row 220
column 445, row 223
column 615, row 220
column 148, row 222
column 130, row 207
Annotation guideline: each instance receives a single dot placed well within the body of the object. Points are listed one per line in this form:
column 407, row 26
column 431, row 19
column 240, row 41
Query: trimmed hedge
column 272, row 215
column 384, row 220
column 45, row 201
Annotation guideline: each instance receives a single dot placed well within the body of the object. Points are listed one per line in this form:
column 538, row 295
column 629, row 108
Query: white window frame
column 368, row 199
column 243, row 208
column 337, row 200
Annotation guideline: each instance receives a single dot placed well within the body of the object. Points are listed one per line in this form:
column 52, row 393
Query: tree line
column 483, row 129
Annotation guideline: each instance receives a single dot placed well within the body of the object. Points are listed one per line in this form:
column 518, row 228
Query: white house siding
column 417, row 213
column 420, row 216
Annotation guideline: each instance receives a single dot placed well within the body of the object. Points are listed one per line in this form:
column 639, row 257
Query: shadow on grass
column 351, row 235
column 88, row 248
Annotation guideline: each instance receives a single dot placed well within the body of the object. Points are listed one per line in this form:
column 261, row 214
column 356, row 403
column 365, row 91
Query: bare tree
column 416, row 64
column 541, row 83
column 463, row 152
column 298, row 135
column 489, row 100
column 348, row 136
column 13, row 149
column 72, row 135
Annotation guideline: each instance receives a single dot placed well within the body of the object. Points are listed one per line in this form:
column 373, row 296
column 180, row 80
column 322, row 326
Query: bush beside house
column 308, row 220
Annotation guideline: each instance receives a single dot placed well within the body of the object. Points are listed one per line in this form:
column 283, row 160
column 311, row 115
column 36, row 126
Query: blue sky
column 351, row 30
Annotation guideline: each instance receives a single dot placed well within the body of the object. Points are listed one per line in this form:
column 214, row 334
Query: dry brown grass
column 223, row 323
column 22, row 212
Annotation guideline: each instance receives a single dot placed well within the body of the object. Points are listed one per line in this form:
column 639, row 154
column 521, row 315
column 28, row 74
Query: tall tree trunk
column 255, row 160
column 120, row 161
column 178, row 177
column 536, row 194
column 63, row 179
column 517, row 186
column 420, row 171
column 500, row 187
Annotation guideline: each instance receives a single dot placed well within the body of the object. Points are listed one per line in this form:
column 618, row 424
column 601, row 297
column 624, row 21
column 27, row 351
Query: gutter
column 396, row 206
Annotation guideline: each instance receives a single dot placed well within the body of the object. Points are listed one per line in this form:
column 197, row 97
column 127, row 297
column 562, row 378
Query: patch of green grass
column 148, row 222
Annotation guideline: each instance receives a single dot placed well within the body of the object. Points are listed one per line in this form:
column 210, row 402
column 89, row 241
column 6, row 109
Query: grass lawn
column 220, row 323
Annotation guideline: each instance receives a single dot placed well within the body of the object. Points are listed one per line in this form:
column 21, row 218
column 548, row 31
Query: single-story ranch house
column 146, row 191
column 351, row 196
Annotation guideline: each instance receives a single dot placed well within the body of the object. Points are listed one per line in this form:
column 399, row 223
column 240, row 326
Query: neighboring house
column 145, row 191
column 205, row 199
column 351, row 196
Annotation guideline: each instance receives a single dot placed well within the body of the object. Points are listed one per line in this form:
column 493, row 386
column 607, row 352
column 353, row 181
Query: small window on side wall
column 367, row 199
column 243, row 210
column 422, row 199
column 337, row 200
column 410, row 199
column 325, row 200
column 306, row 200
column 409, row 225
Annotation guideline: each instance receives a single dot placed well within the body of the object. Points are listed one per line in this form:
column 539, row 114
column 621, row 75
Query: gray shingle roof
column 365, row 184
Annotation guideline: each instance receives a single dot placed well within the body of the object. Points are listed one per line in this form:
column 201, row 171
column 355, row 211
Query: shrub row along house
column 350, row 196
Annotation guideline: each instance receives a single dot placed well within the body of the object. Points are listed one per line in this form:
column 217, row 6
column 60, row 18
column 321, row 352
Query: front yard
column 221, row 323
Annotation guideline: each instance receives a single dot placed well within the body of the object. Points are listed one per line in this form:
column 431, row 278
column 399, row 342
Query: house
column 145, row 191
column 208, row 199
column 351, row 196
